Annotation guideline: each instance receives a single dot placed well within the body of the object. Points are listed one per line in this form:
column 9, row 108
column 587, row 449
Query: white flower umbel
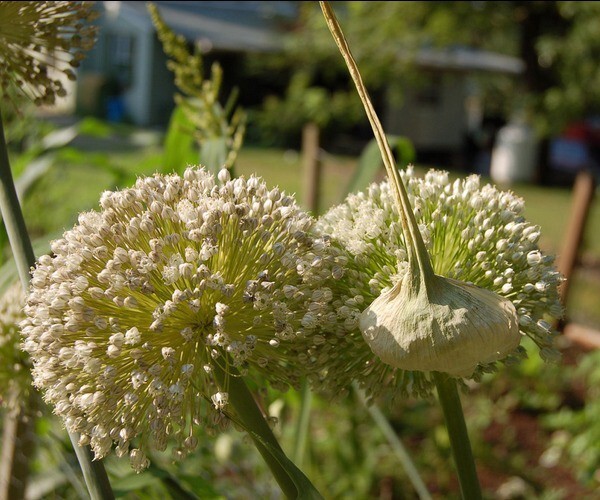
column 144, row 299
column 473, row 233
column 37, row 38
column 15, row 375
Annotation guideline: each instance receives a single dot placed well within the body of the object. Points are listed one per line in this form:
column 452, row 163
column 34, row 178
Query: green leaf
column 34, row 156
column 305, row 489
column 134, row 482
column 370, row 161
column 199, row 486
column 172, row 483
column 45, row 484
column 60, row 137
column 95, row 128
column 32, row 172
column 213, row 153
column 179, row 148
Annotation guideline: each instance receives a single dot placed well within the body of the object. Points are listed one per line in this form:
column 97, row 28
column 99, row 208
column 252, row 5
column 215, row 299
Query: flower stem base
column 292, row 481
column 459, row 438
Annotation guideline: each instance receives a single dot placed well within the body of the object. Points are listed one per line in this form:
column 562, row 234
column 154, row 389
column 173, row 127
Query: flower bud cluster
column 474, row 233
column 38, row 37
column 142, row 299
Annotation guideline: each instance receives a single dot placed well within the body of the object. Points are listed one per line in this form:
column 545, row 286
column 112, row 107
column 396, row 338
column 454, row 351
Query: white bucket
column 514, row 157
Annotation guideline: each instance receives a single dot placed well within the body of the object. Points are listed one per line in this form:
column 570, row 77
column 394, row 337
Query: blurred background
column 508, row 90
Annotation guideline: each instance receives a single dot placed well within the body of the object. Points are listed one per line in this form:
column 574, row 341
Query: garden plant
column 192, row 298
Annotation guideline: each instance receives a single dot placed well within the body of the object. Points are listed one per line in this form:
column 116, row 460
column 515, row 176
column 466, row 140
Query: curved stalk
column 459, row 437
column 94, row 474
column 418, row 257
column 292, row 481
column 421, row 271
column 302, row 424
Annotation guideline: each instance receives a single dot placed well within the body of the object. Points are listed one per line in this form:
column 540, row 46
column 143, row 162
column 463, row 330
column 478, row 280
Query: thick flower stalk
column 15, row 376
column 36, row 37
column 473, row 233
column 146, row 303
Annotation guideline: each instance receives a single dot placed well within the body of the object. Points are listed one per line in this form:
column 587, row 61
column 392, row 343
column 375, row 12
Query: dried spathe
column 444, row 325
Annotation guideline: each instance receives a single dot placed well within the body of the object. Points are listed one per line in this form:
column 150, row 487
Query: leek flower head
column 142, row 299
column 497, row 285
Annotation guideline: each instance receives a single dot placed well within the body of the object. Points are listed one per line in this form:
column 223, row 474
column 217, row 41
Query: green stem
column 13, row 217
column 18, row 443
column 93, row 472
column 459, row 437
column 302, row 424
column 252, row 419
column 399, row 450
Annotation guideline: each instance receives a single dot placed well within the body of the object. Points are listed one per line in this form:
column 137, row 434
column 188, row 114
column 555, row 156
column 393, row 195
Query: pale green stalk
column 292, row 481
column 93, row 471
column 302, row 424
column 420, row 266
column 459, row 437
column 396, row 445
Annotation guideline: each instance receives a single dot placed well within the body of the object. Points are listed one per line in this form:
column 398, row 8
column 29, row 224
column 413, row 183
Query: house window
column 430, row 92
column 120, row 57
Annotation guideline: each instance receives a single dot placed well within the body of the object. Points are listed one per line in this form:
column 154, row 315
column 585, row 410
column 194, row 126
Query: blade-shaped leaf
column 213, row 153
column 305, row 489
column 370, row 163
column 179, row 148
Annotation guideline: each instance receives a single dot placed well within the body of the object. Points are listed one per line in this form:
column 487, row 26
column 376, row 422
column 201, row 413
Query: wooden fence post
column 583, row 194
column 312, row 166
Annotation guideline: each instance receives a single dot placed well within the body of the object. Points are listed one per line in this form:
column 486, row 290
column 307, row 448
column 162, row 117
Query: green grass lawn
column 284, row 168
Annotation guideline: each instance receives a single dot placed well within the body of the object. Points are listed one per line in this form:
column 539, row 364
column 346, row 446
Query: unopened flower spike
column 148, row 308
column 427, row 322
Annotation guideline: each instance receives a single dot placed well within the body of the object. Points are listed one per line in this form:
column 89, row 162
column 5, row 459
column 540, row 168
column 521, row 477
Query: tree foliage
column 557, row 41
